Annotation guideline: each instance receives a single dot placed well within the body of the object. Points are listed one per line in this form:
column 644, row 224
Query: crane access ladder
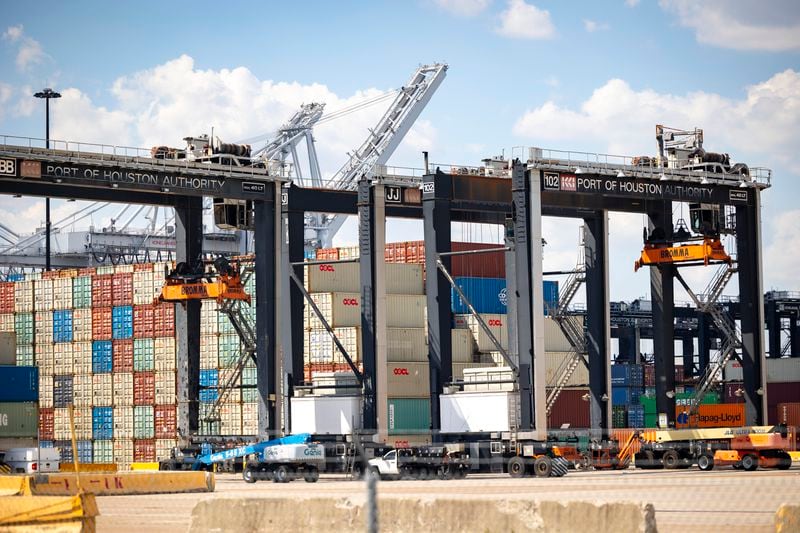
column 572, row 328
column 731, row 334
column 246, row 331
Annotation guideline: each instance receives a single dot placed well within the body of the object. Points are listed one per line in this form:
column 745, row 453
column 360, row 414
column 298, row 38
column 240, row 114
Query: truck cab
column 385, row 466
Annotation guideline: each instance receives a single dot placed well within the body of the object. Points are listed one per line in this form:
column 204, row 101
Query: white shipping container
column 164, row 353
column 401, row 278
column 249, row 418
column 335, row 380
column 43, row 295
column 82, row 324
column 44, row 357
column 23, row 297
column 554, row 338
column 479, row 412
column 342, row 309
column 61, row 427
column 82, row 356
column 123, row 423
column 101, row 389
column 164, row 448
column 463, row 346
column 161, row 269
column 63, row 361
column 7, row 322
column 83, row 423
column 408, row 380
column 209, row 351
column 326, row 415
column 208, row 318
column 496, row 324
column 786, row 370
column 320, row 348
column 143, row 287
column 123, row 389
column 45, row 390
column 103, row 451
column 165, row 387
column 62, row 293
column 123, row 453
column 123, row 269
column 553, row 364
column 494, row 375
column 82, row 390
column 349, row 252
column 230, row 419
column 43, row 326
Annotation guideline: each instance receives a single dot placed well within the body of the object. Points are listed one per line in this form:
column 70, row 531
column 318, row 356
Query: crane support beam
column 266, row 295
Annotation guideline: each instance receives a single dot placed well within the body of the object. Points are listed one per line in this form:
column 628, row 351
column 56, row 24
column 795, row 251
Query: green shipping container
column 650, row 420
column 224, row 324
column 229, row 349
column 143, row 355
column 18, row 419
column 682, row 398
column 82, row 292
column 409, row 415
column 23, row 327
column 143, row 422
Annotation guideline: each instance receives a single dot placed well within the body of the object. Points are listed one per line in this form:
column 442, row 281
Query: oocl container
column 344, row 277
column 408, row 380
column 463, row 345
column 497, row 325
column 342, row 309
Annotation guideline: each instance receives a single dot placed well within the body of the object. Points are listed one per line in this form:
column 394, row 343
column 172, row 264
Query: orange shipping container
column 710, row 415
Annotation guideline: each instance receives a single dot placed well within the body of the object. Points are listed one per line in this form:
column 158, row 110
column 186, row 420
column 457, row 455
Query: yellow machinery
column 710, row 250
column 186, row 283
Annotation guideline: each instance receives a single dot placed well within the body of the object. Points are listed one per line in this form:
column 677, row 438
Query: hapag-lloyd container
column 408, row 380
column 496, row 323
column 479, row 412
column 786, row 370
column 344, row 277
column 710, row 415
column 343, row 309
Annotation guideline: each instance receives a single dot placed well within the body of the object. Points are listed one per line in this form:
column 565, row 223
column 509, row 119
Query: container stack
column 627, row 386
column 19, row 397
column 783, row 384
column 101, row 346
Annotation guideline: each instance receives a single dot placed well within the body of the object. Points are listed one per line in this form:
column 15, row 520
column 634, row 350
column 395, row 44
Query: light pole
column 47, row 94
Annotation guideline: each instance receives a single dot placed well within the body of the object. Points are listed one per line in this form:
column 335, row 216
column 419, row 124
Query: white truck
column 428, row 462
column 32, row 460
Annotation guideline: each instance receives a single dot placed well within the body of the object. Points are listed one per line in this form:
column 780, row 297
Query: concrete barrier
column 88, row 467
column 787, row 519
column 108, row 484
column 415, row 515
column 144, row 466
column 48, row 514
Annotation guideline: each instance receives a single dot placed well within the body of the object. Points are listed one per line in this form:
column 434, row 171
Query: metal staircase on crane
column 731, row 335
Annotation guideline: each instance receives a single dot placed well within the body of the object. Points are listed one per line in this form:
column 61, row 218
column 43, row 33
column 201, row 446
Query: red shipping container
column 164, row 320
column 415, row 252
column 46, row 423
column 788, row 414
column 395, row 252
column 144, row 451
column 165, row 421
column 101, row 291
column 328, row 253
column 487, row 265
column 50, row 274
column 143, row 267
column 122, row 351
column 122, row 288
column 144, row 388
column 143, row 321
column 101, row 323
column 649, row 376
column 311, row 368
column 570, row 408
column 88, row 271
column 6, row 297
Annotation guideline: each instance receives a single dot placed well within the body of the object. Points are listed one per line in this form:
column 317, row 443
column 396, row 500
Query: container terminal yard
column 149, row 373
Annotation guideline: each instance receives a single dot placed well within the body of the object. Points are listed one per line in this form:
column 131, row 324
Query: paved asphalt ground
column 685, row 500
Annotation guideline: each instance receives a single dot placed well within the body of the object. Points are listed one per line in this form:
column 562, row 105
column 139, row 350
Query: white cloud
column 525, row 21
column 632, row 3
column 760, row 128
column 740, row 25
column 30, row 52
column 780, row 265
column 592, row 25
column 463, row 8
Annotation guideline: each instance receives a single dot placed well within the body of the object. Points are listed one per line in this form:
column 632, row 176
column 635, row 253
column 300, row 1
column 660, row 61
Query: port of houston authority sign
column 643, row 188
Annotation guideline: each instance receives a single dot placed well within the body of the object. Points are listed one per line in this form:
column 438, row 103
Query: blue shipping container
column 625, row 395
column 209, row 378
column 45, row 444
column 310, row 254
column 65, row 447
column 488, row 295
column 84, row 451
column 16, row 277
column 208, row 395
column 627, row 375
column 62, row 326
column 19, row 384
column 636, row 416
column 102, row 422
column 62, row 391
column 102, row 358
column 122, row 322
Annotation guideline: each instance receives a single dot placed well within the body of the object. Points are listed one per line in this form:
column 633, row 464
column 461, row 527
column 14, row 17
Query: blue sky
column 594, row 76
